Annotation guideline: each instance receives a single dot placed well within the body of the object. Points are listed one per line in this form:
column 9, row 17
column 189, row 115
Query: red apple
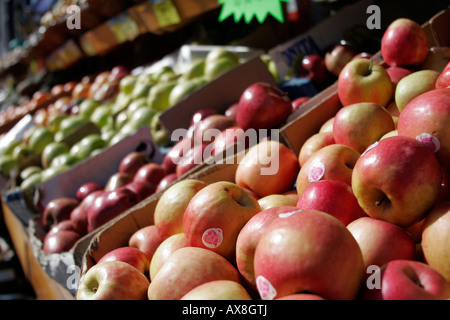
column 117, row 180
column 263, row 106
column 142, row 189
column 404, row 43
column 191, row 159
column 333, row 162
column 443, row 80
column 200, row 115
column 436, row 239
column 308, row 251
column 146, row 239
column 187, row 268
column 268, row 168
column 132, row 162
column 338, row 57
column 86, row 189
column 165, row 249
column 58, row 210
column 151, row 173
column 361, row 124
column 112, row 280
column 231, row 111
column 364, row 80
column 79, row 215
column 169, row 210
column 333, row 197
column 314, row 68
column 381, row 241
column 297, row 103
column 407, row 280
column 130, row 255
column 314, row 143
column 397, row 180
column 427, row 119
column 208, row 129
column 65, row 225
column 60, row 241
column 229, row 137
column 249, row 237
column 166, row 182
column 396, row 74
column 174, row 156
column 216, row 214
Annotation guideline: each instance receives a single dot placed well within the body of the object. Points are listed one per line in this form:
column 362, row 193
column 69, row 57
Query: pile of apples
column 362, row 212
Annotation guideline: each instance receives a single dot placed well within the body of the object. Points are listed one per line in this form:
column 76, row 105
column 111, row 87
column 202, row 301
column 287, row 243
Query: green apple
column 125, row 132
column 143, row 84
column 69, row 126
column 126, row 84
column 54, row 122
column 165, row 73
column 51, row 151
column 39, row 139
column 8, row 165
column 52, row 172
column 158, row 98
column 271, row 66
column 31, row 181
column 195, row 69
column 159, row 132
column 64, row 160
column 141, row 117
column 84, row 148
column 102, row 116
column 121, row 103
column 134, row 105
column 219, row 53
column 29, row 171
column 183, row 89
column 121, row 119
column 216, row 68
column 87, row 108
column 22, row 152
column 8, row 150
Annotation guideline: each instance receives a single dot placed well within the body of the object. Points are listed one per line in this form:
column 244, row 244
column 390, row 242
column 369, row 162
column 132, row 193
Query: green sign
column 248, row 9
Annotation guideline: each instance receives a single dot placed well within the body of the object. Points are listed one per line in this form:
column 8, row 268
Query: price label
column 248, row 9
column 166, row 12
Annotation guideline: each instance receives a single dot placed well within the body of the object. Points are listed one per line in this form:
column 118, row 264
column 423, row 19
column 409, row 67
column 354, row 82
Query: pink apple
column 130, row 255
column 333, row 197
column 301, row 296
column 187, row 268
column 57, row 210
column 86, row 189
column 397, row 180
column 249, row 237
column 436, row 239
column 382, row 241
column 216, row 214
column 407, row 280
column 443, row 80
column 207, row 129
column 146, row 239
column 308, row 251
column 427, row 118
column 218, row 290
column 172, row 204
column 404, row 43
column 131, row 163
column 361, row 124
column 276, row 200
column 314, row 143
column 268, row 168
column 364, row 80
column 263, row 106
column 338, row 57
column 333, row 162
column 327, row 126
column 396, row 74
column 112, row 280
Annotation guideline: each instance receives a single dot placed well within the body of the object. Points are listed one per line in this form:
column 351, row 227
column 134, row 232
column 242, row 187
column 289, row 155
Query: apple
column 381, row 241
column 69, row 126
column 172, row 204
column 232, row 110
column 51, row 151
column 201, row 115
column 327, row 126
column 218, row 290
column 141, row 189
column 313, row 67
column 333, row 197
column 184, row 89
column 60, row 241
column 107, row 206
column 298, row 102
column 209, row 128
column 216, row 214
column 407, row 280
column 65, row 225
column 263, row 106
column 112, row 280
column 194, row 69
column 117, row 180
column 147, row 239
column 443, row 81
column 308, row 251
column 393, row 109
column 333, row 162
column 159, row 132
column 174, row 156
column 192, row 158
column 166, row 182
column 86, row 189
column 397, row 180
column 276, row 200
column 413, row 86
column 39, row 139
column 361, row 124
column 165, row 249
column 396, row 74
column 338, row 57
column 301, row 296
column 228, row 137
column 151, row 173
column 364, row 80
column 132, row 162
column 118, row 73
column 249, row 237
column 436, row 240
column 218, row 67
column 427, row 118
column 187, row 268
column 130, row 255
column 57, row 210
column 314, row 143
column 404, row 43
column 268, row 168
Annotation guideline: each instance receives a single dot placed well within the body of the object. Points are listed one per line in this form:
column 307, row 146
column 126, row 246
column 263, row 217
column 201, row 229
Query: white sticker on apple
column 212, row 238
column 288, row 214
column 316, row 171
column 265, row 288
column 430, row 141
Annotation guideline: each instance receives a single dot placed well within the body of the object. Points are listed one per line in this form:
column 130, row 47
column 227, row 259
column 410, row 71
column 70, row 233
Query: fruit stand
column 146, row 146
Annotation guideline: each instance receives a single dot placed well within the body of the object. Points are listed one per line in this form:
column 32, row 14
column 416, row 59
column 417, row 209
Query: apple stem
column 369, row 70
column 381, row 201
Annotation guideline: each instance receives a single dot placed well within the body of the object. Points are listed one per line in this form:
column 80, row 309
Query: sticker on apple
column 288, row 214
column 430, row 141
column 212, row 238
column 373, row 145
column 316, row 172
column 265, row 288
